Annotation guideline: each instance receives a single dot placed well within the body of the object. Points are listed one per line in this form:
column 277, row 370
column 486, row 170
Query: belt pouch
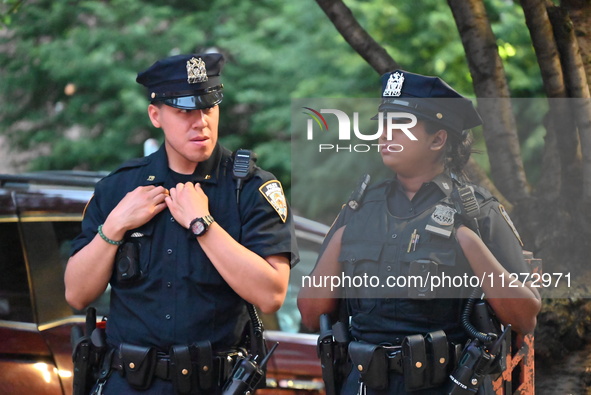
column 203, row 357
column 181, row 370
column 414, row 361
column 139, row 364
column 439, row 353
column 371, row 362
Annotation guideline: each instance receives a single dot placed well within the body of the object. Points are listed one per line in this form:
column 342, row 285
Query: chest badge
column 443, row 215
column 441, row 221
column 273, row 192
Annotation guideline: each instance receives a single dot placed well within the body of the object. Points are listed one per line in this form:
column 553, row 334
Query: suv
column 40, row 214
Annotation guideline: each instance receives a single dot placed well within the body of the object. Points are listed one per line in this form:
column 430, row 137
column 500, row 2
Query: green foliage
column 69, row 72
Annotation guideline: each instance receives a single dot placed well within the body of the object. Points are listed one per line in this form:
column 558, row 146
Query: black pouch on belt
column 371, row 362
column 192, row 368
column 139, row 364
column 204, row 362
column 414, row 361
column 183, row 377
column 438, row 352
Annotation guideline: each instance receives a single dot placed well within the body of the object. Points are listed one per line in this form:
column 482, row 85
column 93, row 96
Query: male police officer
column 182, row 242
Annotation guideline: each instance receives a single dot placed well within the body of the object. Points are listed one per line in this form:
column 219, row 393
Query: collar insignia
column 196, row 71
column 394, row 85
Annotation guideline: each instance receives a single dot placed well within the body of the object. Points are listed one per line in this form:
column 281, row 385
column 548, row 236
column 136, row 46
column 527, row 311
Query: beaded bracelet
column 105, row 238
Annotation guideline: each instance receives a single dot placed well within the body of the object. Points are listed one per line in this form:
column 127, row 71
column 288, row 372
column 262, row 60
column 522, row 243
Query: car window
column 15, row 302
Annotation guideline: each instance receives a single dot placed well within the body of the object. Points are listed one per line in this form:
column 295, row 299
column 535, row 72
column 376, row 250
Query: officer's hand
column 136, row 208
column 187, row 202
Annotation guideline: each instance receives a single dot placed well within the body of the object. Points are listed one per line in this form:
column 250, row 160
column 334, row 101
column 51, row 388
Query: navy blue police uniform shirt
column 180, row 297
column 496, row 228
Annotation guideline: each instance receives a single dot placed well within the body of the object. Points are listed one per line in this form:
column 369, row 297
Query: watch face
column 198, row 228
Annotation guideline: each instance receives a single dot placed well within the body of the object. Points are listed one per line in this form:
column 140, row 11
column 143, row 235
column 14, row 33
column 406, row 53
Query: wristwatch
column 200, row 225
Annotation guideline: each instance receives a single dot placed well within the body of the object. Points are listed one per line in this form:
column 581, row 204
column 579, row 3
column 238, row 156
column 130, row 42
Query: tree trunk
column 560, row 128
column 579, row 12
column 490, row 86
column 578, row 90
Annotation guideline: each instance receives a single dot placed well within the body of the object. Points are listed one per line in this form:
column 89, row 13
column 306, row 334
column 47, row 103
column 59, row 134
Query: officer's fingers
column 160, row 206
column 199, row 189
column 155, row 191
column 159, row 198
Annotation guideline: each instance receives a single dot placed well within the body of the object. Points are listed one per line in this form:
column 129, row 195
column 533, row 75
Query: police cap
column 428, row 98
column 189, row 82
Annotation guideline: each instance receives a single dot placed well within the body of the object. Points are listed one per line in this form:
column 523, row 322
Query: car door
column 26, row 362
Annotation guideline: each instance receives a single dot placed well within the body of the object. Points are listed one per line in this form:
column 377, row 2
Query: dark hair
column 458, row 147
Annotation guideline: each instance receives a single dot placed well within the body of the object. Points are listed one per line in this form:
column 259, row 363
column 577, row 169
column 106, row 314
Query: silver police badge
column 394, row 85
column 273, row 192
column 443, row 215
column 196, row 71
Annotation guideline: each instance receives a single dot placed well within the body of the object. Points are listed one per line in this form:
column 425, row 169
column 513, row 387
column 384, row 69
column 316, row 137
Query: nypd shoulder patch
column 273, row 192
column 510, row 222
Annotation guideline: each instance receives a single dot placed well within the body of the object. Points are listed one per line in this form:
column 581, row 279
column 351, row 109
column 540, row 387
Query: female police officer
column 194, row 251
column 411, row 226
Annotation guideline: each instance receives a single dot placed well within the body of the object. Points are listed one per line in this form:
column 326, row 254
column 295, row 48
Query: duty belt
column 185, row 366
column 425, row 361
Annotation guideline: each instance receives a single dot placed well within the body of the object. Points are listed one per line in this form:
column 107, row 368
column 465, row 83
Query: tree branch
column 373, row 53
column 489, row 78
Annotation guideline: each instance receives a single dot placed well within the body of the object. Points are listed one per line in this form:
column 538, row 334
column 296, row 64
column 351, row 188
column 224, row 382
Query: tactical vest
column 381, row 248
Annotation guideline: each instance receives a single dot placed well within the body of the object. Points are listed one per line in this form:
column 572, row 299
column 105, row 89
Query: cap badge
column 394, row 85
column 196, row 71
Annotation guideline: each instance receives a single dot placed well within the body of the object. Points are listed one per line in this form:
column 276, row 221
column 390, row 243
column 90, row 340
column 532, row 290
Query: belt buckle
column 162, row 366
column 394, row 354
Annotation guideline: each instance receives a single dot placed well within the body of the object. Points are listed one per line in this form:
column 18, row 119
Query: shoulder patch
column 505, row 215
column 85, row 207
column 273, row 192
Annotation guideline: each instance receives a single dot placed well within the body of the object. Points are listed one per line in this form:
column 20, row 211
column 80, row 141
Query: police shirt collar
column 157, row 169
column 444, row 182
column 205, row 171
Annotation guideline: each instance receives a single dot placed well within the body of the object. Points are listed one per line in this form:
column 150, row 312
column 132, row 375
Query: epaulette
column 131, row 164
column 375, row 192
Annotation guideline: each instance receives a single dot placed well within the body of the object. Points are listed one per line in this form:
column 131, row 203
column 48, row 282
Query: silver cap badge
column 196, row 71
column 394, row 85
